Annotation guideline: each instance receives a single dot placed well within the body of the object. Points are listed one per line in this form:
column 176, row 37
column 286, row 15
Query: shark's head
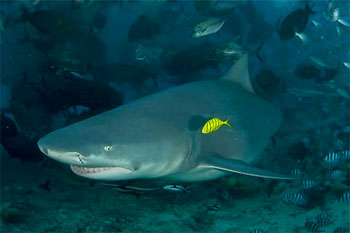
column 116, row 148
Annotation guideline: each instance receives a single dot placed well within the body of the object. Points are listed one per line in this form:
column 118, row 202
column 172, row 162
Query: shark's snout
column 42, row 147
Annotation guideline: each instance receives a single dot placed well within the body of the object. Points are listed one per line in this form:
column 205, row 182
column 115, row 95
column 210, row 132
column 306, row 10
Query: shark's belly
column 197, row 174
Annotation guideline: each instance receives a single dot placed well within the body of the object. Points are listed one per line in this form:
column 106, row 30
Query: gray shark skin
column 159, row 136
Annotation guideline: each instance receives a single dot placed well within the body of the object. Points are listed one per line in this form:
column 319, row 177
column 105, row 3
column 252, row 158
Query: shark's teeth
column 87, row 170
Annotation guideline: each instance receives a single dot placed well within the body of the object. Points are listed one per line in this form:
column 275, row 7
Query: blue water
column 65, row 61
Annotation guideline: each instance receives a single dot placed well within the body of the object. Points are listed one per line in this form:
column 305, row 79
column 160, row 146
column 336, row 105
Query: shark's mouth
column 106, row 173
column 88, row 170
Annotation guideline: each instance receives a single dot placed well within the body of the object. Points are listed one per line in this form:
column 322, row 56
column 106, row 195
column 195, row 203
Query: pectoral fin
column 237, row 166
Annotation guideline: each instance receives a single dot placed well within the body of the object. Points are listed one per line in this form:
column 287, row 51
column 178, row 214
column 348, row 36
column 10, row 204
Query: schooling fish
column 214, row 124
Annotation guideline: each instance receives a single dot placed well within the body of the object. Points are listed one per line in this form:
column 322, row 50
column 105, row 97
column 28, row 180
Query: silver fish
column 176, row 188
column 207, row 27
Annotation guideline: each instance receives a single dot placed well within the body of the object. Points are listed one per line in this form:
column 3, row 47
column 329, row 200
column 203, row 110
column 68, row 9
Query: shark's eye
column 107, row 148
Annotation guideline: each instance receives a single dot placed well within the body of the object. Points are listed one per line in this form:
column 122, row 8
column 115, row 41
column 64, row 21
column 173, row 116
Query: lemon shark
column 159, row 136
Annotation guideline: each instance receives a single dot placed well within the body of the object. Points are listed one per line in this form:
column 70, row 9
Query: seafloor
column 74, row 204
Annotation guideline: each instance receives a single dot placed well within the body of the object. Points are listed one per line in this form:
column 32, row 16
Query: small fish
column 215, row 207
column 336, row 18
column 307, row 183
column 346, row 64
column 294, row 198
column 318, row 61
column 316, row 24
column 332, row 157
column 345, row 154
column 301, row 36
column 341, row 230
column 176, row 188
column 323, row 220
column 345, row 197
column 207, row 27
column 214, row 124
column 336, row 174
column 343, row 22
column 312, row 227
column 335, row 15
column 295, row 173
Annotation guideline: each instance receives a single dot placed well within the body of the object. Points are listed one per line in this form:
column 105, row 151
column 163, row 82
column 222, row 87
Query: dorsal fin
column 239, row 73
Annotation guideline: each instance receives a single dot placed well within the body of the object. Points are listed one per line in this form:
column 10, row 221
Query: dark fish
column 294, row 23
column 266, row 84
column 45, row 185
column 55, row 24
column 191, row 60
column 307, row 71
column 295, row 198
column 312, row 226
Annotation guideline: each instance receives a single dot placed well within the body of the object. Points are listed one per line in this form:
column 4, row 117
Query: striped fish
column 294, row 198
column 307, row 183
column 312, row 226
column 332, row 157
column 336, row 174
column 323, row 220
column 214, row 124
column 345, row 197
column 295, row 172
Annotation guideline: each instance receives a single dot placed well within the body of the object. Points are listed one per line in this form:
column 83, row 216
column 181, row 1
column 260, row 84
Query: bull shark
column 159, row 136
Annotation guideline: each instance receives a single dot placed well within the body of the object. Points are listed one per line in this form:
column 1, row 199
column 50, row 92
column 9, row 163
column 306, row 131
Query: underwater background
column 64, row 61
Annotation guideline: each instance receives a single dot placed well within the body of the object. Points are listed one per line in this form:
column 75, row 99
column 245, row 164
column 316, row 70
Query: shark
column 159, row 136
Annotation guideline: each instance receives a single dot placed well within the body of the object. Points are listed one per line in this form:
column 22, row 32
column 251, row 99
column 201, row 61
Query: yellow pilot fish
column 214, row 124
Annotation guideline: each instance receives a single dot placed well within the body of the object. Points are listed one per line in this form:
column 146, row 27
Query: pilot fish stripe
column 214, row 124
